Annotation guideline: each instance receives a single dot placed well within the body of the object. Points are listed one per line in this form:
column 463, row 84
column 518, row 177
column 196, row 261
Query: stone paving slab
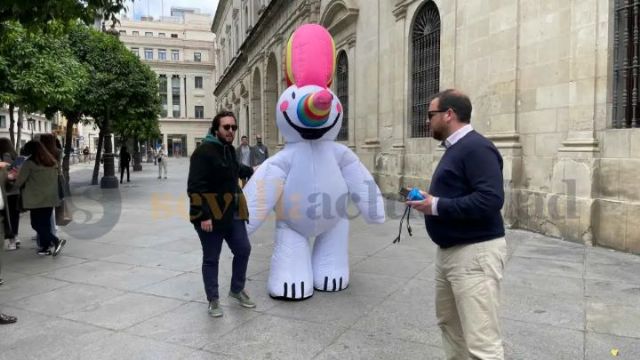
column 128, row 285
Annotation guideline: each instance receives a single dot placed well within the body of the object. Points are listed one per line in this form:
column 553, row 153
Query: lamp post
column 109, row 180
column 32, row 123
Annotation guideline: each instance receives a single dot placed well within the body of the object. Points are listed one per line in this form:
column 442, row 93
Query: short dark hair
column 456, row 101
column 215, row 124
column 243, row 137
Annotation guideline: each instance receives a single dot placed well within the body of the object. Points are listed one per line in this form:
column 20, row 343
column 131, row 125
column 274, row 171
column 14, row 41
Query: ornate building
column 180, row 49
column 554, row 85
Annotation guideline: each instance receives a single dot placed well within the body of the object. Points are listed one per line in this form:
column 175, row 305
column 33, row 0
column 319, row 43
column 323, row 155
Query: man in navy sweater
column 462, row 216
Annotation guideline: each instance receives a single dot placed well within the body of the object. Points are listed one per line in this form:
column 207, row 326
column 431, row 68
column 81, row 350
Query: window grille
column 342, row 87
column 626, row 110
column 425, row 69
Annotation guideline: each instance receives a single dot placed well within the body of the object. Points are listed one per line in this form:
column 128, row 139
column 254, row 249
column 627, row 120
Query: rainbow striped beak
column 314, row 109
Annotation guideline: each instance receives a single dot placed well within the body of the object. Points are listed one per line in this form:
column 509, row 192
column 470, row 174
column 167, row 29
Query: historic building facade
column 180, row 49
column 32, row 124
column 554, row 85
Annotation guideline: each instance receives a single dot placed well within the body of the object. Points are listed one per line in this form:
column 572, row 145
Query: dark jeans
column 41, row 223
column 238, row 241
column 122, row 172
column 11, row 225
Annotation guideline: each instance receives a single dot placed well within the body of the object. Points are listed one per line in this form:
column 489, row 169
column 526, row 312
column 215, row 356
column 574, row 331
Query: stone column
column 500, row 99
column 169, row 97
column 575, row 173
column 183, row 93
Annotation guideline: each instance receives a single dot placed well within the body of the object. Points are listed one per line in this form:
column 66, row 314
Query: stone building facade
column 554, row 85
column 180, row 49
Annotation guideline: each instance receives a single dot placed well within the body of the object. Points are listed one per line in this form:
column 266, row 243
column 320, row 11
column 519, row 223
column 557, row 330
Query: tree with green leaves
column 38, row 70
column 35, row 13
column 121, row 94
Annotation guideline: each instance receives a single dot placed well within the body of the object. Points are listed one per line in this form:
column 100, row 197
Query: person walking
column 162, row 162
column 244, row 154
column 462, row 216
column 259, row 153
column 213, row 182
column 125, row 160
column 4, row 318
column 85, row 154
column 39, row 176
column 11, row 220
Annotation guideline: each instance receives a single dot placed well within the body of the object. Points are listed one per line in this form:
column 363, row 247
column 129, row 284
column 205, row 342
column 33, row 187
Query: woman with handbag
column 39, row 176
column 54, row 147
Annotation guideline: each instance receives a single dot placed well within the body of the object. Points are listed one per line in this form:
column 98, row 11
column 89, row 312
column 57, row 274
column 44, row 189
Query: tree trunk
column 12, row 122
column 137, row 156
column 149, row 152
column 72, row 119
column 96, row 167
column 19, row 130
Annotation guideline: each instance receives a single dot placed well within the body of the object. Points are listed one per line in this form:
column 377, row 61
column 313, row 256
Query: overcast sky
column 155, row 7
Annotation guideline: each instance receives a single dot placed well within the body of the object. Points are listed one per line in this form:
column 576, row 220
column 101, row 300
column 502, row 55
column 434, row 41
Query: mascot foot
column 294, row 291
column 332, row 284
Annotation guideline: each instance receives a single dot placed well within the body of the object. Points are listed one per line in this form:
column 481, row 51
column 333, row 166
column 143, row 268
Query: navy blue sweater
column 468, row 182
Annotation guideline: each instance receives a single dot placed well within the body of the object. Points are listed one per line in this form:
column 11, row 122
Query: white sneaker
column 12, row 245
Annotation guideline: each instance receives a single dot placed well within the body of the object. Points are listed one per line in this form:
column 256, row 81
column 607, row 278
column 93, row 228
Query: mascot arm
column 263, row 191
column 362, row 188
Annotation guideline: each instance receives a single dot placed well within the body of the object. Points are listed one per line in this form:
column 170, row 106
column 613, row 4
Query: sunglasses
column 228, row 126
column 432, row 113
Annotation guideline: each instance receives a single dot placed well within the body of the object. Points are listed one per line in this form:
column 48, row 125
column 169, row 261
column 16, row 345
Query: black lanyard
column 407, row 214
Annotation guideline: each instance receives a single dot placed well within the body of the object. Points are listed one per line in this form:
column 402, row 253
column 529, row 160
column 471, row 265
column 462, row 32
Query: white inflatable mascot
column 309, row 182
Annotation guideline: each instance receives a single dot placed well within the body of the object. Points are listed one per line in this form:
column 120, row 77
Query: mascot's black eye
column 293, row 95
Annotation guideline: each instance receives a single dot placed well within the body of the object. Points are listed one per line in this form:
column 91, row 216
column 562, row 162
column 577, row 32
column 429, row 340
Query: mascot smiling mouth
column 310, row 134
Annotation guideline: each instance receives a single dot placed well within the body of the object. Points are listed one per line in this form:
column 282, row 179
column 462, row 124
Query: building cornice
column 222, row 4
column 241, row 57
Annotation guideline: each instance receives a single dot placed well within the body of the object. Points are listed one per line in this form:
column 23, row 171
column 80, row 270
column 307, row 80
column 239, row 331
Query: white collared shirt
column 449, row 142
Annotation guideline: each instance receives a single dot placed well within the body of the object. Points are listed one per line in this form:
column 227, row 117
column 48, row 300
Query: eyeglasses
column 432, row 113
column 228, row 126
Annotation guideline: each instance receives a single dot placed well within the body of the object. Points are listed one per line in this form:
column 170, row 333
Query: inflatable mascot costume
column 312, row 178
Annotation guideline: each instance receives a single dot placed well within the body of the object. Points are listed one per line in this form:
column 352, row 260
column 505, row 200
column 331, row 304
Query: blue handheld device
column 415, row 195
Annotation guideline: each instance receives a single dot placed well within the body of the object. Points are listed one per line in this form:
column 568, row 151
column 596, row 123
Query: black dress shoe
column 7, row 319
column 1, row 281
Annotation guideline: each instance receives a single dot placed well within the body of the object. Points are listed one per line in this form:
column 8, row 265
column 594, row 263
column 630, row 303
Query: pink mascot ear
column 311, row 56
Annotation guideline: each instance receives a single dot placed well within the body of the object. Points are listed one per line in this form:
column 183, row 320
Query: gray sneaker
column 214, row 308
column 243, row 298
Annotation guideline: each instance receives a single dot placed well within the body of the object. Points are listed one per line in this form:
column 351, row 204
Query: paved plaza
column 128, row 286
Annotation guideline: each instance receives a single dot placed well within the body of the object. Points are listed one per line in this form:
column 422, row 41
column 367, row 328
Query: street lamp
column 32, row 124
column 109, row 180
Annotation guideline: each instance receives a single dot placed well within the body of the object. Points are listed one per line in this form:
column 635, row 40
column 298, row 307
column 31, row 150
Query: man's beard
column 437, row 135
column 223, row 140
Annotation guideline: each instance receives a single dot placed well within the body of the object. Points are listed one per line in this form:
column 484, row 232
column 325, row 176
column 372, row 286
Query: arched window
column 626, row 87
column 342, row 89
column 425, row 69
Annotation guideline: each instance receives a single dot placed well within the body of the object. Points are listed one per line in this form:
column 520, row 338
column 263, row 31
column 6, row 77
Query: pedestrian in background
column 11, row 220
column 260, row 152
column 162, row 162
column 4, row 318
column 125, row 160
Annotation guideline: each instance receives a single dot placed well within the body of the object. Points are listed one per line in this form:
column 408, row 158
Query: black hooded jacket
column 213, row 188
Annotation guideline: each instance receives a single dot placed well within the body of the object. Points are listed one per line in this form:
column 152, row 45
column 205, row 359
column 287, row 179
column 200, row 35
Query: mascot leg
column 331, row 258
column 290, row 276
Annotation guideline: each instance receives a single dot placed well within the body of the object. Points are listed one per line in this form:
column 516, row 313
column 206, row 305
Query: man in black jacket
column 462, row 215
column 218, row 209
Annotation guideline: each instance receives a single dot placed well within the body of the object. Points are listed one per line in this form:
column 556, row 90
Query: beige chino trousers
column 468, row 299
